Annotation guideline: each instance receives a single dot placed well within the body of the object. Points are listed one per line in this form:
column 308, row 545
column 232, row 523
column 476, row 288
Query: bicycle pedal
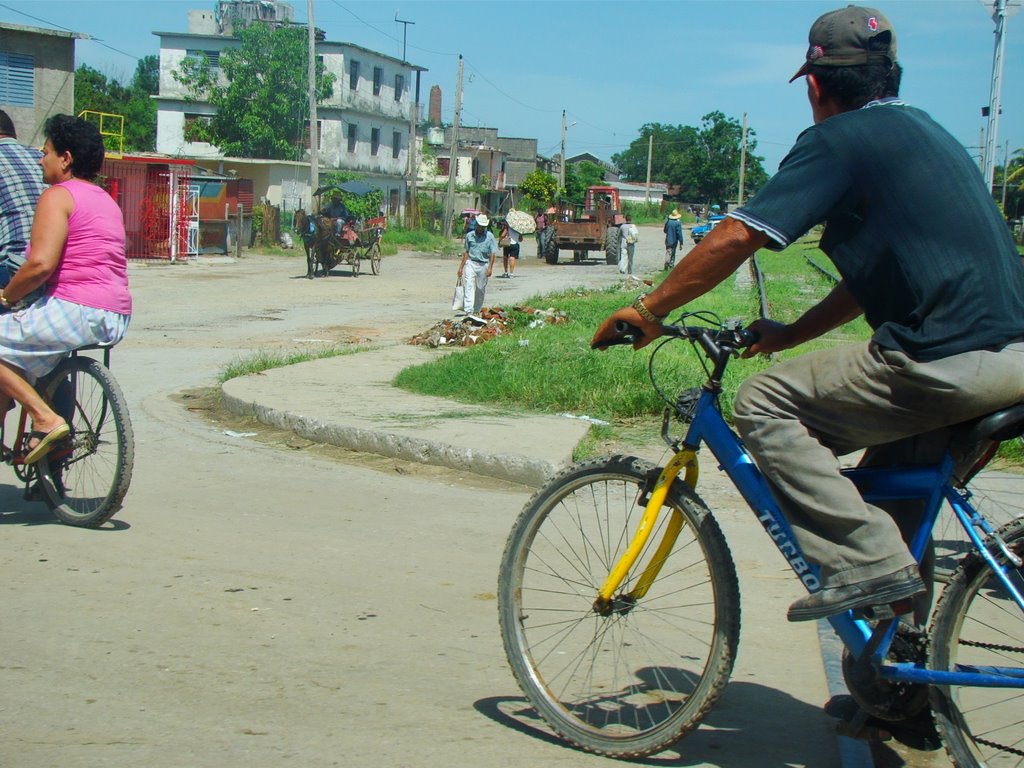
column 885, row 611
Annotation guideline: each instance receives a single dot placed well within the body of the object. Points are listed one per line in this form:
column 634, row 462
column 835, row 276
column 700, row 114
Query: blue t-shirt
column 673, row 232
column 480, row 247
column 911, row 228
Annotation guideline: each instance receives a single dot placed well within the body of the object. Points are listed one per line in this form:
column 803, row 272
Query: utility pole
column 314, row 132
column 743, row 161
column 561, row 160
column 1006, row 172
column 414, row 109
column 999, row 17
column 453, row 162
column 650, row 154
column 410, row 203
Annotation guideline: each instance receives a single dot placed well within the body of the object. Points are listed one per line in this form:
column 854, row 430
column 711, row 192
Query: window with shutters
column 396, row 144
column 319, row 135
column 374, row 140
column 210, row 58
column 351, row 137
column 399, row 87
column 353, row 74
column 378, row 77
column 17, row 79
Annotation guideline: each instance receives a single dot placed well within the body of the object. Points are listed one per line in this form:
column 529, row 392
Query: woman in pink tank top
column 76, row 252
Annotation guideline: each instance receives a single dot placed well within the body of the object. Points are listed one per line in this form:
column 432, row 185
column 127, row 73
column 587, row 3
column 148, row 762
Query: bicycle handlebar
column 712, row 339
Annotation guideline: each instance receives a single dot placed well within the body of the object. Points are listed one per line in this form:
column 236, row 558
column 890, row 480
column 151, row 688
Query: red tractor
column 594, row 228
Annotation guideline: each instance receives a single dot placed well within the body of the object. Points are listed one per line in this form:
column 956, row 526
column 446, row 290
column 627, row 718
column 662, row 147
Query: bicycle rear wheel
column 978, row 624
column 634, row 681
column 994, row 494
column 85, row 478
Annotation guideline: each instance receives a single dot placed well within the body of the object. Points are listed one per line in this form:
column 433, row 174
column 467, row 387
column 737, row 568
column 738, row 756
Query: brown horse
column 305, row 228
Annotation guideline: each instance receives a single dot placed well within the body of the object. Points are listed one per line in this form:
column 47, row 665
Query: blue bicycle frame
column 932, row 484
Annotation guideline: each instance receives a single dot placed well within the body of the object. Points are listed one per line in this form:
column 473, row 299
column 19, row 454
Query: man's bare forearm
column 716, row 257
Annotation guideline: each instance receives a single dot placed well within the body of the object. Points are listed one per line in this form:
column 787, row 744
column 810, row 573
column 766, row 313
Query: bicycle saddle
column 974, row 442
column 1001, row 425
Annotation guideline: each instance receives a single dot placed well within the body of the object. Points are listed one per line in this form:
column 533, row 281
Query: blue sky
column 613, row 66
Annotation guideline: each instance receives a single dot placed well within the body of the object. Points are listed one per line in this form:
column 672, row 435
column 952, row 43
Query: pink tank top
column 93, row 270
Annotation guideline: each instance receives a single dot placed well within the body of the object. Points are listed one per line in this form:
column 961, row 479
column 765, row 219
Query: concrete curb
column 504, row 466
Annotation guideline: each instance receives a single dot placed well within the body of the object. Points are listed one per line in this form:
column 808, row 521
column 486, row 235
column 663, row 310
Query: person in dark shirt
column 337, row 212
column 946, row 308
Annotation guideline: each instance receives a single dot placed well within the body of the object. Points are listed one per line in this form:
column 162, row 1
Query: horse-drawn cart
column 330, row 241
column 351, row 245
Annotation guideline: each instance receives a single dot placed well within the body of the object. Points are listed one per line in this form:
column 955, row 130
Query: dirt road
column 257, row 606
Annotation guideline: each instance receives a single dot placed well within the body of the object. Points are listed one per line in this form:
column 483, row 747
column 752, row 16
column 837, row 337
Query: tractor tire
column 551, row 251
column 611, row 245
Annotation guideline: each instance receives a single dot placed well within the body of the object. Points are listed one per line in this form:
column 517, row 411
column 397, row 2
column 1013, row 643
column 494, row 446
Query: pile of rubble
column 475, row 329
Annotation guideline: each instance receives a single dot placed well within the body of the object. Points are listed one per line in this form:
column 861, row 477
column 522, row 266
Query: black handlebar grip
column 628, row 334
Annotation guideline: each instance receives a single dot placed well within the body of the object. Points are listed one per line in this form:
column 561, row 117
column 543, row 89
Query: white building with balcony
column 363, row 125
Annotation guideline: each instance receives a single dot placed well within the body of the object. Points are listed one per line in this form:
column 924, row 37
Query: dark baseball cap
column 849, row 37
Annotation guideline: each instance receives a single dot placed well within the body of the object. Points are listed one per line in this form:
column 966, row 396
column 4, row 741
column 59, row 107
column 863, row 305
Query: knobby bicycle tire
column 976, row 623
column 86, row 477
column 633, row 682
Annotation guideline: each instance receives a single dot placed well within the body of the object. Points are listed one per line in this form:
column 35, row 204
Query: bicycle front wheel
column 631, row 682
column 977, row 624
column 85, row 479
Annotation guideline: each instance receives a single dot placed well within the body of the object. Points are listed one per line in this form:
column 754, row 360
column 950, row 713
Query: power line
column 96, row 40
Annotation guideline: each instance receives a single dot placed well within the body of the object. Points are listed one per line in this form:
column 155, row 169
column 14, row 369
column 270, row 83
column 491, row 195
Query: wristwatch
column 644, row 312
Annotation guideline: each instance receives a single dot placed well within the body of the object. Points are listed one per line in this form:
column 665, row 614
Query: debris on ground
column 468, row 330
column 584, row 417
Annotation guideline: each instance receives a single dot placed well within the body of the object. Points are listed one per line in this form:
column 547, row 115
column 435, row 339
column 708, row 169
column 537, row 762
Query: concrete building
column 363, row 126
column 37, row 77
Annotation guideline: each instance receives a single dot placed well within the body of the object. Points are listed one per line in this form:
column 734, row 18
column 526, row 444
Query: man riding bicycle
column 947, row 311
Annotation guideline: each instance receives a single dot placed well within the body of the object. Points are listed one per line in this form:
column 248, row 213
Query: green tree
column 578, row 177
column 538, row 189
column 96, row 92
column 704, row 161
column 261, row 102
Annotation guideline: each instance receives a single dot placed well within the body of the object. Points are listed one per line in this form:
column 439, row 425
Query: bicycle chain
column 992, row 646
column 1000, row 747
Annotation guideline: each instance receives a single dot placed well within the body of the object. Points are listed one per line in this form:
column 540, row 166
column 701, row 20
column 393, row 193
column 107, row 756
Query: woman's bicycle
column 619, row 603
column 85, row 477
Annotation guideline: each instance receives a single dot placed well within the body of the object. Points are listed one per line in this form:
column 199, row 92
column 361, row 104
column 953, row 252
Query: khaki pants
column 798, row 416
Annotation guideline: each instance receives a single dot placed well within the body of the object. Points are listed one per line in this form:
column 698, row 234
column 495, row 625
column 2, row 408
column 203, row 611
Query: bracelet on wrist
column 3, row 300
column 643, row 311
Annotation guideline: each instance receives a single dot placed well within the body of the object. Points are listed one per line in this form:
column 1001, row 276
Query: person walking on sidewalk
column 673, row 237
column 479, row 250
column 628, row 236
column 947, row 314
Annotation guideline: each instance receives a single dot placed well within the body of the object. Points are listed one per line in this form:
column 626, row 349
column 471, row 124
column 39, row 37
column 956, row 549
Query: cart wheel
column 374, row 255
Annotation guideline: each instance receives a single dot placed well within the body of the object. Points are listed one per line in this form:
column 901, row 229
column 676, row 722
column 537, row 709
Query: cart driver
column 336, row 212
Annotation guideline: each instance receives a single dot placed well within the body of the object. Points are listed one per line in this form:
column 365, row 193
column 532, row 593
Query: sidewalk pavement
column 349, row 401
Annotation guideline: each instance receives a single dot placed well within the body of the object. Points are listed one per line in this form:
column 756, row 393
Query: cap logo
column 873, row 24
column 815, row 52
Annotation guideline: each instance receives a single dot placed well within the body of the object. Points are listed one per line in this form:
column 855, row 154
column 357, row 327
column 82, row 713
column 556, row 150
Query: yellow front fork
column 683, row 460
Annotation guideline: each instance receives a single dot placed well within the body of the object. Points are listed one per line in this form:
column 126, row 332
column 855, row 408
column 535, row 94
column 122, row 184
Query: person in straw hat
column 947, row 314
column 673, row 237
